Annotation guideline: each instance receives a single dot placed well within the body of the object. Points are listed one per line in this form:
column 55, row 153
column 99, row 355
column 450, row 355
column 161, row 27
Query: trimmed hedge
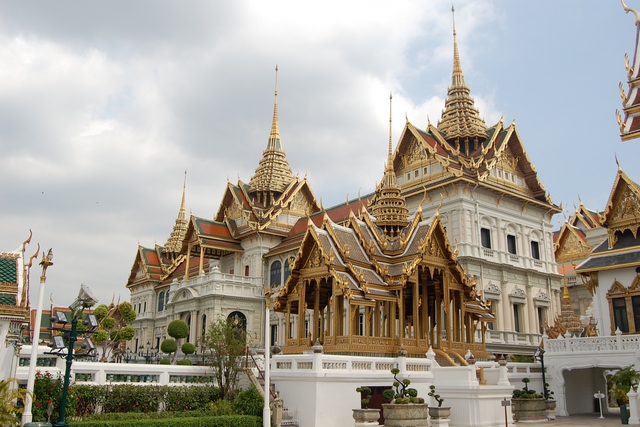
column 203, row 421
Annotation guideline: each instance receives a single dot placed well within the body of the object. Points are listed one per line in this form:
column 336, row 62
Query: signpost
column 506, row 403
column 599, row 396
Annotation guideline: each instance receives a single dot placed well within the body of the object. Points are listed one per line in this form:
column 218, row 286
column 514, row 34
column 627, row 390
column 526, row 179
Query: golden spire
column 273, row 173
column 460, row 118
column 389, row 207
column 174, row 243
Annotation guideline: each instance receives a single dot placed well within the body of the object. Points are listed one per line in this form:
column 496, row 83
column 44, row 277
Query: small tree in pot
column 365, row 416
column 439, row 414
column 406, row 408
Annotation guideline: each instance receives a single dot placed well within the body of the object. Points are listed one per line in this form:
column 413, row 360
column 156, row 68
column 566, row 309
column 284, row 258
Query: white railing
column 509, row 337
column 615, row 343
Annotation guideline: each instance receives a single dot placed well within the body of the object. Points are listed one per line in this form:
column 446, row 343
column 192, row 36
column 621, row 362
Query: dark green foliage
column 133, row 398
column 221, row 407
column 249, row 402
column 168, row 346
column 178, row 329
column 180, row 399
column 47, row 391
column 228, row 344
column 432, row 393
column 526, row 392
column 404, row 394
column 185, row 362
column 388, row 395
column 188, row 348
column 89, row 398
column 165, row 361
column 365, row 396
column 201, row 421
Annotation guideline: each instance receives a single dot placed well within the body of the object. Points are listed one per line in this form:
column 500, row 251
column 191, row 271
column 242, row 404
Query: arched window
column 166, row 298
column 239, row 321
column 276, row 269
column 287, row 270
column 161, row 301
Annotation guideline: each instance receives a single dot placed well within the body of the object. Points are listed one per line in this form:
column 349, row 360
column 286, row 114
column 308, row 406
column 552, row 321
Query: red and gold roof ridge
column 630, row 125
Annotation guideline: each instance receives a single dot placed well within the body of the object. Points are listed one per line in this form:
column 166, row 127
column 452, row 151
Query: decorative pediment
column 492, row 291
column 542, row 299
column 623, row 208
column 518, row 295
column 570, row 245
column 616, row 290
column 299, row 204
column 416, row 152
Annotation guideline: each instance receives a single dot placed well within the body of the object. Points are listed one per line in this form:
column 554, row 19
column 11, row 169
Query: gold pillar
column 201, row 266
column 393, row 332
column 401, row 315
column 416, row 308
column 186, row 271
column 287, row 325
column 317, row 325
column 302, row 308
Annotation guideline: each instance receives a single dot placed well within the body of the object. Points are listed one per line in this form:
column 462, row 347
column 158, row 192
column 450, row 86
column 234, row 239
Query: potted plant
column 528, row 405
column 405, row 408
column 364, row 416
column 439, row 414
column 620, row 384
column 550, row 402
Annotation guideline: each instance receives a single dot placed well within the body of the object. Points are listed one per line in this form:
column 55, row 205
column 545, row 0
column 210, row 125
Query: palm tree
column 9, row 395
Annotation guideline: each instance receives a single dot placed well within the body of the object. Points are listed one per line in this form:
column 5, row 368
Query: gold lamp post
column 47, row 261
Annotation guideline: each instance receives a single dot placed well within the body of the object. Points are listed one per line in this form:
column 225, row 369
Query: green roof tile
column 8, row 270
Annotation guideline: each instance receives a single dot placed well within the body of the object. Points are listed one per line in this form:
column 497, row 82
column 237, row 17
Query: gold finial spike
column 389, row 160
column 627, row 9
column 623, row 95
column 457, row 68
column 617, row 163
column 274, row 137
column 620, row 121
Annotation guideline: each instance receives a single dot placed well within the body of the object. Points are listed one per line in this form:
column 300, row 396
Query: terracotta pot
column 529, row 409
column 439, row 412
column 369, row 416
column 405, row 415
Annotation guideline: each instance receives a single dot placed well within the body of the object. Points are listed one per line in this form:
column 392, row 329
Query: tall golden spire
column 174, row 243
column 460, row 119
column 273, row 173
column 389, row 207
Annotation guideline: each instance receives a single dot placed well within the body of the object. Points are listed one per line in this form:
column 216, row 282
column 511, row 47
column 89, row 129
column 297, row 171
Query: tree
column 177, row 329
column 9, row 394
column 228, row 341
column 113, row 328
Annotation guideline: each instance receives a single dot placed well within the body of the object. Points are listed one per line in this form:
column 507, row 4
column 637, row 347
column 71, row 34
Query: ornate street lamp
column 539, row 354
column 149, row 354
column 129, row 356
column 47, row 261
column 85, row 299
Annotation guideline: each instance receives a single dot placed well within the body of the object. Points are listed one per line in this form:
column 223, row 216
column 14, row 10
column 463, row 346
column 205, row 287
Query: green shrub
column 194, row 398
column 169, row 346
column 202, row 421
column 185, row 362
column 133, row 398
column 165, row 361
column 249, row 402
column 178, row 329
column 88, row 398
column 221, row 407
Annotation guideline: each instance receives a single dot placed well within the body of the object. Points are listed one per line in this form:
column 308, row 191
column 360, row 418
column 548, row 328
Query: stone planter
column 551, row 409
column 366, row 417
column 407, row 415
column 439, row 415
column 529, row 409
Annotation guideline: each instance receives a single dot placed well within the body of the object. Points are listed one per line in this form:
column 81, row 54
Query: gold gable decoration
column 625, row 215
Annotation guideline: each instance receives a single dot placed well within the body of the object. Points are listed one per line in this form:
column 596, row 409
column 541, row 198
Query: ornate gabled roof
column 584, row 218
column 623, row 208
column 174, row 243
column 212, row 236
column 244, row 216
column 367, row 273
column 571, row 244
column 500, row 164
column 388, row 206
column 460, row 118
column 149, row 265
column 273, row 173
column 630, row 126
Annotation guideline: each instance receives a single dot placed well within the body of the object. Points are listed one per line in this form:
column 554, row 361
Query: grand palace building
column 453, row 250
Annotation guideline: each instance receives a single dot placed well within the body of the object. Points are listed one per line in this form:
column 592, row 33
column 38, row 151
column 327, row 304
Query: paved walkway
column 582, row 420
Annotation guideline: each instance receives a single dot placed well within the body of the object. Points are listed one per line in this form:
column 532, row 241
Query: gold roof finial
column 460, row 118
column 174, row 243
column 273, row 173
column 627, row 9
column 389, row 206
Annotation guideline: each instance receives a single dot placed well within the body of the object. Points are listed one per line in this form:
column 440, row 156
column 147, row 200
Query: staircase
column 280, row 415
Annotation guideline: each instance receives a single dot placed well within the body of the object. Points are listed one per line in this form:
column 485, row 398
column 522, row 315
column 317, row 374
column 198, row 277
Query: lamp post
column 539, row 354
column 149, row 354
column 129, row 356
column 85, row 299
column 27, row 416
column 266, row 411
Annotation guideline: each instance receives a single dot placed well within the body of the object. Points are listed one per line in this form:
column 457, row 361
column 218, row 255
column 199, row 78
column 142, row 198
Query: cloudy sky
column 103, row 105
